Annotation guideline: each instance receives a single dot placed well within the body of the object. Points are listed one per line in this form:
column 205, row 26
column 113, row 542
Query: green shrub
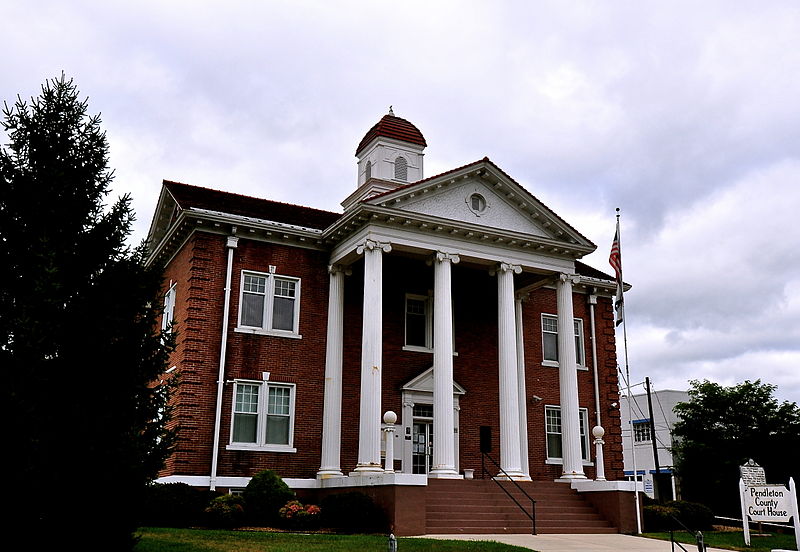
column 173, row 505
column 696, row 517
column 264, row 496
column 225, row 512
column 353, row 512
column 660, row 518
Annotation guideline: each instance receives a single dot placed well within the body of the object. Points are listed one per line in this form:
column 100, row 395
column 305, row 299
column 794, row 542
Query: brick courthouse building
column 456, row 301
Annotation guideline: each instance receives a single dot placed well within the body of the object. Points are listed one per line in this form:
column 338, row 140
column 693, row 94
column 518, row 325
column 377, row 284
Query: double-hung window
column 550, row 341
column 418, row 322
column 263, row 416
column 552, row 424
column 641, row 431
column 269, row 304
column 169, row 308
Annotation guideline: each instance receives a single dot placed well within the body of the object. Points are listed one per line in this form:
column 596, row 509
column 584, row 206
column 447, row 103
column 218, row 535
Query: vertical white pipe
column 232, row 243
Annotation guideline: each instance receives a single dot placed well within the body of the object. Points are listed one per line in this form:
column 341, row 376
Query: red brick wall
column 199, row 269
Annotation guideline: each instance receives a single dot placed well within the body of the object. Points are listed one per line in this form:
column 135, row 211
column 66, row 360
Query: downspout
column 233, row 242
column 592, row 303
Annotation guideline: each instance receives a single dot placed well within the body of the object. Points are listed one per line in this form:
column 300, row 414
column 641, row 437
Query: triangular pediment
column 423, row 383
column 481, row 195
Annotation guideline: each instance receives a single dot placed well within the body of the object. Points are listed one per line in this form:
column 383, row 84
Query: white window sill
column 560, row 462
column 261, row 448
column 554, row 364
column 418, row 349
column 273, row 333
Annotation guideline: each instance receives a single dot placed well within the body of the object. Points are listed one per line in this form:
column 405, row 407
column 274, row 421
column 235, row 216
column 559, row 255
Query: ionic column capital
column 372, row 245
column 506, row 267
column 571, row 278
column 442, row 256
column 339, row 269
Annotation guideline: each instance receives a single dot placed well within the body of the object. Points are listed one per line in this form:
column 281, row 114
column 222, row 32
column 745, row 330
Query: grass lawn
column 733, row 540
column 191, row 540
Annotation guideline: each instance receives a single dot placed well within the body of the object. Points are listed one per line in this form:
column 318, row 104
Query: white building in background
column 664, row 418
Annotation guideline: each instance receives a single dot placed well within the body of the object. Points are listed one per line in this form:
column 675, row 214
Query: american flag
column 615, row 260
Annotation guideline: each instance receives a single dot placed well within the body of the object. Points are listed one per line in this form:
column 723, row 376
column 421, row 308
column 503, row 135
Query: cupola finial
column 390, row 111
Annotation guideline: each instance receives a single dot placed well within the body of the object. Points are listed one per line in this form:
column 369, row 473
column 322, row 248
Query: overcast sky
column 685, row 115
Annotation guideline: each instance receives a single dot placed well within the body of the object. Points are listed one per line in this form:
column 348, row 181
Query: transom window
column 263, row 415
column 269, row 303
column 400, row 168
column 552, row 422
column 550, row 340
column 641, row 431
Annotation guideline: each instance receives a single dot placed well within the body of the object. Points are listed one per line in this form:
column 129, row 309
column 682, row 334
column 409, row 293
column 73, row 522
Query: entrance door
column 422, row 439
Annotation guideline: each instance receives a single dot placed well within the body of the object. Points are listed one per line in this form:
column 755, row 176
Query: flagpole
column 621, row 310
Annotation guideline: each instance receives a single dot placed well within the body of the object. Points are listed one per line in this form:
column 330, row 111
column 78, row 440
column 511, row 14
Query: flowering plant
column 294, row 514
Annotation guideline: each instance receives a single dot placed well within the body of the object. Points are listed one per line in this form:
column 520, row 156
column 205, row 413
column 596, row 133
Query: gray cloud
column 682, row 114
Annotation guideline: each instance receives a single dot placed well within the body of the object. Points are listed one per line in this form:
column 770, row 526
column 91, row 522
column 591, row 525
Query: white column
column 510, row 460
column 444, row 463
column 369, row 434
column 568, row 381
column 332, row 407
column 523, row 401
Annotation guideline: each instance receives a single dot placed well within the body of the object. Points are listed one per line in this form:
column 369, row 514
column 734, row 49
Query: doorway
column 422, row 439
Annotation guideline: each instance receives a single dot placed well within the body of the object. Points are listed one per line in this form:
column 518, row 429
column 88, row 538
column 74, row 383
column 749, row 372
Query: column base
column 444, row 474
column 367, row 469
column 328, row 473
column 514, row 476
column 569, row 477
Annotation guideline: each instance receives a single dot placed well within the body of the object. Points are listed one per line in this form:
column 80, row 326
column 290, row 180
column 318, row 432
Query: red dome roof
column 393, row 127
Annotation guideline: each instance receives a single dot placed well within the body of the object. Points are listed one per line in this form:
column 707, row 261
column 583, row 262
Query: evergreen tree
column 720, row 428
column 80, row 349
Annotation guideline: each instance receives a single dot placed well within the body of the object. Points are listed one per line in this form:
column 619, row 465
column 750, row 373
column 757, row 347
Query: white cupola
column 389, row 156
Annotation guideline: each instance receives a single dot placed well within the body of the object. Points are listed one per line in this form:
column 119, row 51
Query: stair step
column 482, row 506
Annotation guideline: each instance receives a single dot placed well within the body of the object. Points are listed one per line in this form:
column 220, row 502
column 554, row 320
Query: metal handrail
column 532, row 515
column 701, row 546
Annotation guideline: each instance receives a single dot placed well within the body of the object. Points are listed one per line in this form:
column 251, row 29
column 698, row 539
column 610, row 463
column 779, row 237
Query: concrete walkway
column 582, row 543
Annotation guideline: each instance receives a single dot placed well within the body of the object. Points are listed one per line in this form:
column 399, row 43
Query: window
column 641, row 431
column 368, row 171
column 552, row 423
column 550, row 340
column 476, row 203
column 169, row 308
column 263, row 416
column 400, row 169
column 269, row 304
column 419, row 322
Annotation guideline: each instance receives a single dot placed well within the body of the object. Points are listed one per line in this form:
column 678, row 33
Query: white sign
column 768, row 503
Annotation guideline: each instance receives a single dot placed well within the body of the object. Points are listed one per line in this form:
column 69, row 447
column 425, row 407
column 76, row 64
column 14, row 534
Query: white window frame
column 641, row 429
column 580, row 349
column 583, row 416
column 269, row 301
column 428, row 302
column 169, row 307
column 262, row 417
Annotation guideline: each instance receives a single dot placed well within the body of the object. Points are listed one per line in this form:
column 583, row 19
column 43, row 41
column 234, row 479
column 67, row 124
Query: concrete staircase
column 481, row 506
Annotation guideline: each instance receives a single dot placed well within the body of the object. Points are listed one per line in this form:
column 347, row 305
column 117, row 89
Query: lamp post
column 389, row 418
column 598, row 433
